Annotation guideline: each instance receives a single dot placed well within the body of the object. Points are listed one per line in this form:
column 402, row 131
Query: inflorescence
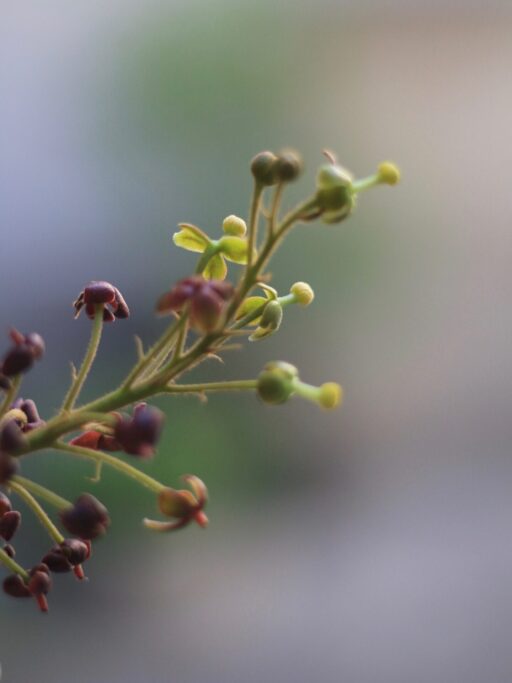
column 207, row 312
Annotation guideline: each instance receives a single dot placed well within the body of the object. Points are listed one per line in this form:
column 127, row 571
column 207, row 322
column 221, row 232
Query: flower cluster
column 207, row 312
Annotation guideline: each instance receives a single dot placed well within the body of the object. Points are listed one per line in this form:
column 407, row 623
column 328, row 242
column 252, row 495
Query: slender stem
column 41, row 492
column 210, row 251
column 120, row 465
column 253, row 222
column 366, row 183
column 153, row 352
column 10, row 395
column 13, row 565
column 32, row 503
column 87, row 362
column 238, row 385
column 276, row 201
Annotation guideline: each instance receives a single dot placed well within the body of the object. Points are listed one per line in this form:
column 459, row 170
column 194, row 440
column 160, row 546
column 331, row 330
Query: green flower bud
column 276, row 382
column 270, row 321
column 289, row 166
column 303, row 293
column 264, row 168
column 234, row 225
column 335, row 194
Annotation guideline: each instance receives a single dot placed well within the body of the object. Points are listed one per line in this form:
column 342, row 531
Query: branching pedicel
column 207, row 312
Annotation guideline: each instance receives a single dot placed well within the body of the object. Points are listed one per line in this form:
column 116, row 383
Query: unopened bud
column 264, row 168
column 234, row 225
column 303, row 293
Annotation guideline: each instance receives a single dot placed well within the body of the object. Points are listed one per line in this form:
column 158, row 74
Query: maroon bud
column 9, row 550
column 5, row 504
column 140, row 434
column 56, row 561
column 35, row 342
column 39, row 585
column 5, row 384
column 8, row 467
column 30, row 410
column 15, row 587
column 11, row 437
column 18, row 359
column 75, row 551
column 99, row 292
column 9, row 524
column 87, row 518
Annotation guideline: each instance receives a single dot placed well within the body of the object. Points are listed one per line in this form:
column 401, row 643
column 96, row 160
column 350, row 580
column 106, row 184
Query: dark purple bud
column 99, row 292
column 11, row 437
column 39, row 585
column 87, row 518
column 5, row 504
column 140, row 434
column 36, row 343
column 9, row 550
column 18, row 359
column 75, row 551
column 8, row 467
column 9, row 524
column 57, row 562
column 15, row 587
column 5, row 384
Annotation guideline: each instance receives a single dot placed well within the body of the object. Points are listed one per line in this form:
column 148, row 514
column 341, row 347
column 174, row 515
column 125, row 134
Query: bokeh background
column 369, row 545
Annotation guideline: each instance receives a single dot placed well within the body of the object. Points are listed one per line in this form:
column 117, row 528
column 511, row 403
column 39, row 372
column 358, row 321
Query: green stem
column 237, row 385
column 253, row 222
column 210, row 251
column 276, row 201
column 41, row 492
column 111, row 461
column 32, row 503
column 153, row 352
column 87, row 362
column 365, row 183
column 10, row 395
column 13, row 565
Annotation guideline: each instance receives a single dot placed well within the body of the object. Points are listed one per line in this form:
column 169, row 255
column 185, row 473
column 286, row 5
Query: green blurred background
column 372, row 544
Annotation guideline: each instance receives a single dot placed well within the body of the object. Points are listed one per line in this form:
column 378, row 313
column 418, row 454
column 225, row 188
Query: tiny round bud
column 289, row 166
column 234, row 225
column 303, row 293
column 264, row 168
column 9, row 524
column 388, row 173
column 87, row 518
column 330, row 395
column 18, row 359
column 276, row 382
column 36, row 343
column 14, row 586
column 99, row 292
column 11, row 437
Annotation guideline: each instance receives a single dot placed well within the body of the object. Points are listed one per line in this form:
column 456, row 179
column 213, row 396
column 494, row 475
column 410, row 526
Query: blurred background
column 373, row 544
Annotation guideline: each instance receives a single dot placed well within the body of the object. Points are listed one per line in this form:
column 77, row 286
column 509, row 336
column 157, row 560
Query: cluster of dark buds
column 207, row 314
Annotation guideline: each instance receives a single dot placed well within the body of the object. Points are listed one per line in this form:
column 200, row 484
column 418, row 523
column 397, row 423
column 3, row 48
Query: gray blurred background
column 372, row 545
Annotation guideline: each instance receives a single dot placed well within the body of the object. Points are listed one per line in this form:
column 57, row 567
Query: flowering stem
column 32, row 503
column 120, row 465
column 13, row 565
column 253, row 222
column 276, row 201
column 237, row 385
column 87, row 362
column 41, row 492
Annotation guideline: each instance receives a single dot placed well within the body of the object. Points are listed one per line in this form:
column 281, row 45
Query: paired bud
column 102, row 293
column 20, row 358
column 68, row 556
column 206, row 300
column 87, row 518
column 269, row 169
column 139, row 434
column 38, row 586
column 184, row 506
